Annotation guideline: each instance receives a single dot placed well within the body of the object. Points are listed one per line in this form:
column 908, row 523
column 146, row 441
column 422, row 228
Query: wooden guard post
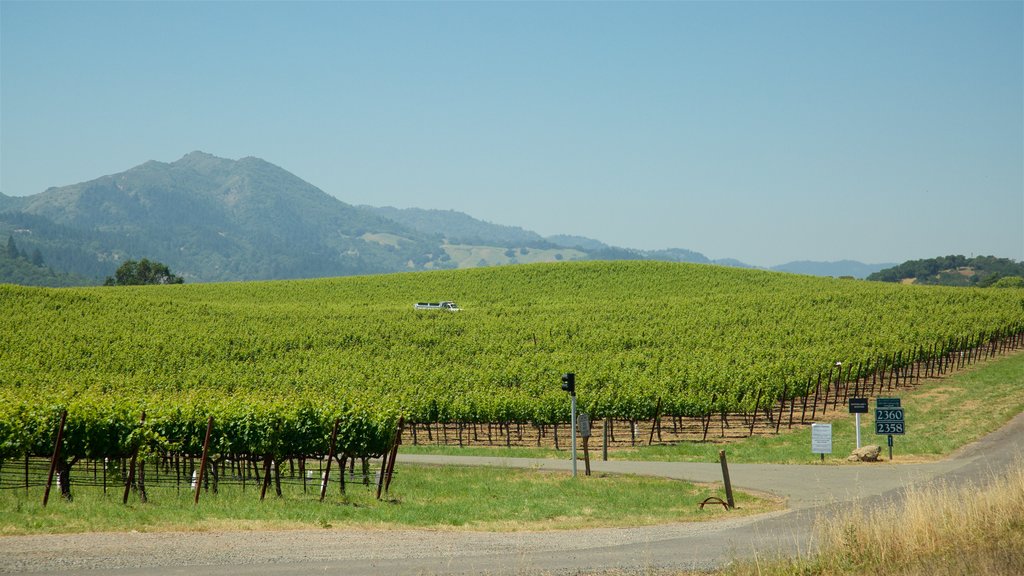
column 725, row 479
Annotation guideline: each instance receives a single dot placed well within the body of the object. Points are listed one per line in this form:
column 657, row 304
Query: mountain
column 581, row 242
column 460, row 228
column 837, row 269
column 457, row 228
column 214, row 219
column 953, row 270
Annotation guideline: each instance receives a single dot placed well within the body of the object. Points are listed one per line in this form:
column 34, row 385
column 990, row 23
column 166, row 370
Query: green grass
column 470, row 256
column 421, row 496
column 941, row 415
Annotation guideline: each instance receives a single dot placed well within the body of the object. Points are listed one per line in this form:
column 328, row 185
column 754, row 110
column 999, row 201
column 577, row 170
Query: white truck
column 447, row 305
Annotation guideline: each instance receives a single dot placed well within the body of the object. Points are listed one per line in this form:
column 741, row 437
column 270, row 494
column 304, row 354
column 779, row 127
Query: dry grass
column 977, row 531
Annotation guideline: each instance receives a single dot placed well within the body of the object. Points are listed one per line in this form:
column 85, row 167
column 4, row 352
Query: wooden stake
column 586, row 454
column 202, row 463
column 131, row 467
column 394, row 454
column 330, row 456
column 782, row 407
column 753, row 419
column 266, row 476
column 657, row 415
column 725, row 479
column 53, row 460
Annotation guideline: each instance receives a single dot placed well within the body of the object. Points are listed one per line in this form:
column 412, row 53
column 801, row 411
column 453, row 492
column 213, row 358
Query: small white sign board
column 821, row 438
column 583, row 421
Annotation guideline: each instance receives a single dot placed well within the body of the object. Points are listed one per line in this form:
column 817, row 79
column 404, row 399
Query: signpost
column 821, row 439
column 858, row 406
column 889, row 419
column 569, row 385
column 584, row 423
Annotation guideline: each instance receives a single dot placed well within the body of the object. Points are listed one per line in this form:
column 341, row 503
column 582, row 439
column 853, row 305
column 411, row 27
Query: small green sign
column 858, row 405
column 887, row 403
column 889, row 421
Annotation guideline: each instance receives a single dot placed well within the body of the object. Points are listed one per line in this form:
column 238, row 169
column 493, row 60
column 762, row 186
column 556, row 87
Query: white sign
column 821, row 438
column 583, row 422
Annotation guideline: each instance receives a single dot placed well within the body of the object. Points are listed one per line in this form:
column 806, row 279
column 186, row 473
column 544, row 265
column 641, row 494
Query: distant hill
column 837, row 269
column 460, row 228
column 954, row 270
column 216, row 219
column 484, row 244
column 581, row 242
column 213, row 219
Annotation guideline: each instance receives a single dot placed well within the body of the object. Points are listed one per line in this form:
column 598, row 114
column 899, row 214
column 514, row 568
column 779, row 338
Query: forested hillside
column 953, row 270
column 212, row 219
column 30, row 269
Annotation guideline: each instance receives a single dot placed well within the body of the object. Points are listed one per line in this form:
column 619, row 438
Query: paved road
column 811, row 491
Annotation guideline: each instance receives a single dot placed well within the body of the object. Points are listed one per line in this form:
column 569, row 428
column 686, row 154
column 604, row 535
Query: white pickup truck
column 448, row 305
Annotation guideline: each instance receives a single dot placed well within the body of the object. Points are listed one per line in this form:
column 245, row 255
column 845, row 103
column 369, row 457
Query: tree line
column 956, row 270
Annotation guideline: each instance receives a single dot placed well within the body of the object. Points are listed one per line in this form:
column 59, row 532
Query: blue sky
column 766, row 132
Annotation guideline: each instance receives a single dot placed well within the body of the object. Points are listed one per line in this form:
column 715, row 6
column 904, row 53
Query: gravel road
column 810, row 491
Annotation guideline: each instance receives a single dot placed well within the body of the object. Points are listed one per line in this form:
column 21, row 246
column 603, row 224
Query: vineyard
column 308, row 369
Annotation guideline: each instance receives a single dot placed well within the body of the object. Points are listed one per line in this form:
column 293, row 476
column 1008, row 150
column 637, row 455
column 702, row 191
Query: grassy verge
column 941, row 415
column 435, row 497
column 935, row 531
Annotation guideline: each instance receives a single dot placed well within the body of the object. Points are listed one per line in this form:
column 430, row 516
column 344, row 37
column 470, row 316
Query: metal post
column 573, row 396
column 857, row 417
column 604, row 447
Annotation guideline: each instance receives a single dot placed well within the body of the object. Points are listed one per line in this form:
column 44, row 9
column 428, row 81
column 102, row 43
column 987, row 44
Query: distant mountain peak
column 200, row 155
column 214, row 218
column 203, row 162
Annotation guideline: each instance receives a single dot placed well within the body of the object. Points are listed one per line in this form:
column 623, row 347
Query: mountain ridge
column 216, row 219
column 213, row 219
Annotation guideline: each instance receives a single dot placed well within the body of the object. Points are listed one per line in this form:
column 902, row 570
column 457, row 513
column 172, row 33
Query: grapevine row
column 276, row 363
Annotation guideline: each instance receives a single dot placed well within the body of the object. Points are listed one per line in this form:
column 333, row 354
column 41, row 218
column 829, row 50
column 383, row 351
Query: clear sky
column 766, row 132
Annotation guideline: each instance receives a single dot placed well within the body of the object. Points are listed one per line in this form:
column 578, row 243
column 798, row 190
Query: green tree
column 12, row 249
column 133, row 273
column 1009, row 282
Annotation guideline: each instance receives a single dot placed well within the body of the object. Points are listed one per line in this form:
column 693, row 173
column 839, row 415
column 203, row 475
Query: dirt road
column 811, row 491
